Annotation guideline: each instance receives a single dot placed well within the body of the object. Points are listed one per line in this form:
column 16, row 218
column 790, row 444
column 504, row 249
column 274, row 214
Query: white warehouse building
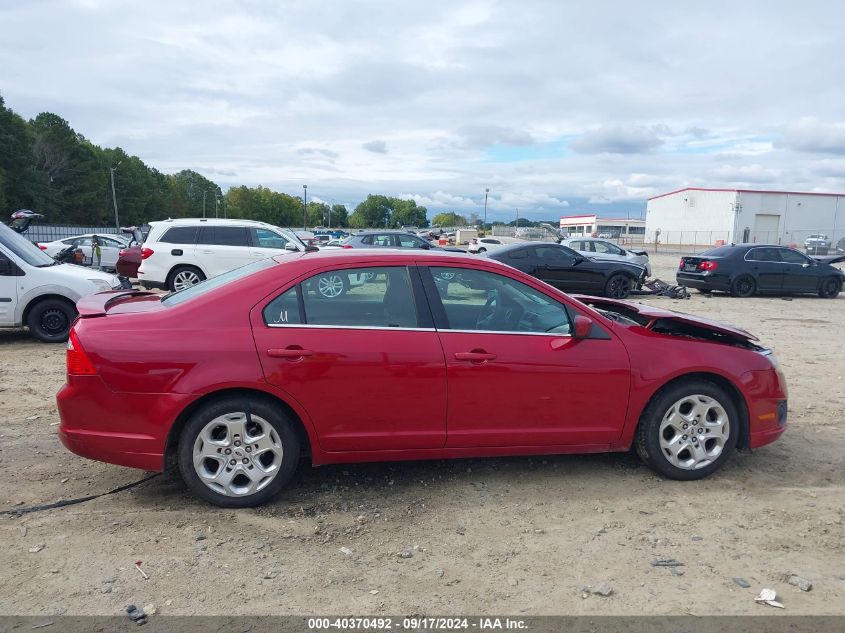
column 707, row 217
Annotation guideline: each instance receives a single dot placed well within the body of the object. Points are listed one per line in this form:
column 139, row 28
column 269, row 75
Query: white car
column 181, row 253
column 110, row 246
column 602, row 249
column 488, row 244
column 38, row 292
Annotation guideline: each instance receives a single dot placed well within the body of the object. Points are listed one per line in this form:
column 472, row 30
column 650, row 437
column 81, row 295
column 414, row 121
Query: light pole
column 204, row 191
column 304, row 207
column 486, row 191
column 114, row 195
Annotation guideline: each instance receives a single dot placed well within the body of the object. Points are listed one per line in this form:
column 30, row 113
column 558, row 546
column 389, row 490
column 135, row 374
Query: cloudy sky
column 558, row 107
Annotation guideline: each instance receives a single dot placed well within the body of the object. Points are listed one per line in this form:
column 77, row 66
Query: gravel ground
column 515, row 535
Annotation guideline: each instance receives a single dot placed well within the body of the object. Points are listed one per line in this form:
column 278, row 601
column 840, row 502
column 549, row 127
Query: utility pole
column 486, row 191
column 216, row 206
column 114, row 195
column 304, row 207
column 204, row 191
column 330, row 216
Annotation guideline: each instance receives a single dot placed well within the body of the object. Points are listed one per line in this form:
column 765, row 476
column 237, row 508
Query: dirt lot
column 519, row 536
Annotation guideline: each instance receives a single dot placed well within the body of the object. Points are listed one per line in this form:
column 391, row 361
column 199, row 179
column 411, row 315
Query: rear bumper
column 703, row 282
column 127, row 429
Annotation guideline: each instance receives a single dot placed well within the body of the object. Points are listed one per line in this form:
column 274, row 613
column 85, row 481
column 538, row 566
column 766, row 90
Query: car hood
column 651, row 315
column 833, row 259
column 72, row 271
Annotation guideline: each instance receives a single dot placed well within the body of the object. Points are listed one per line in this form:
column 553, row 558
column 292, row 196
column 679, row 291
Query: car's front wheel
column 618, row 287
column 49, row 320
column 238, row 452
column 830, row 288
column 688, row 430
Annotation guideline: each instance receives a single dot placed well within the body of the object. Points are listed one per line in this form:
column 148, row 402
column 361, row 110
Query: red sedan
column 239, row 378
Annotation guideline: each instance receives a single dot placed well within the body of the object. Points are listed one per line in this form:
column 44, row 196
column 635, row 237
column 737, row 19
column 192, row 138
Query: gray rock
column 460, row 529
column 603, row 590
column 676, row 572
column 439, row 573
column 666, row 562
column 406, row 553
column 802, row 583
column 742, row 582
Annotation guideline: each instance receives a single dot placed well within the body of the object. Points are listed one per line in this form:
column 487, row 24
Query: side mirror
column 583, row 326
column 291, row 247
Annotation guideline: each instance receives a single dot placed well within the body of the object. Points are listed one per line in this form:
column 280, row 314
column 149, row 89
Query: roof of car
column 380, row 231
column 345, row 255
column 220, row 221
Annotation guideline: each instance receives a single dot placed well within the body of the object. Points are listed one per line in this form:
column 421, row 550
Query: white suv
column 181, row 253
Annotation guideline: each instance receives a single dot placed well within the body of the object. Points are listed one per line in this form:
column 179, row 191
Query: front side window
column 409, row 241
column 607, row 248
column 378, row 297
column 554, row 254
column 265, row 238
column 793, row 257
column 485, row 301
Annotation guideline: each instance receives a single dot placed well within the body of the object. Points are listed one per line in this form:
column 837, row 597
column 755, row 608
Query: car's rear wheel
column 49, row 320
column 618, row 287
column 688, row 430
column 830, row 288
column 332, row 285
column 743, row 286
column 482, row 250
column 184, row 277
column 237, row 452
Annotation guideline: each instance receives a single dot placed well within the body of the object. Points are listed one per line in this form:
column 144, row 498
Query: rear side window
column 377, row 297
column 520, row 253
column 175, row 298
column 224, row 236
column 180, row 235
column 763, row 255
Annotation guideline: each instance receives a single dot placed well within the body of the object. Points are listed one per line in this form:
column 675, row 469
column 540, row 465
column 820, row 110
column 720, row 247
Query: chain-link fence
column 689, row 242
column 538, row 233
column 51, row 232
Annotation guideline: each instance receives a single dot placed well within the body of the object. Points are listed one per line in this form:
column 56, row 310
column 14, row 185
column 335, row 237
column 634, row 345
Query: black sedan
column 570, row 271
column 748, row 269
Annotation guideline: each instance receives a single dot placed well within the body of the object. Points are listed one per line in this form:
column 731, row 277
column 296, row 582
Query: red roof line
column 796, row 193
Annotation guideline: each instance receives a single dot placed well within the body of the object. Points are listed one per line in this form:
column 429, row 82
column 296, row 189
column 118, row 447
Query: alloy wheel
column 694, row 432
column 330, row 286
column 619, row 288
column 185, row 279
column 237, row 454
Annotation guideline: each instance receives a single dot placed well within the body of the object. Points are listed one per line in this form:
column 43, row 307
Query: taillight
column 121, row 252
column 146, row 252
column 42, row 247
column 346, row 246
column 78, row 363
column 707, row 265
column 681, row 265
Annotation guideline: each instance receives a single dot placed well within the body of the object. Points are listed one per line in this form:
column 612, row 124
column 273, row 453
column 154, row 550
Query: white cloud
column 812, row 135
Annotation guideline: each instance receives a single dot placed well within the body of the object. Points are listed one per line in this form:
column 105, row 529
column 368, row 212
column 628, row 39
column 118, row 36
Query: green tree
column 372, row 212
column 407, row 213
column 340, row 216
column 449, row 218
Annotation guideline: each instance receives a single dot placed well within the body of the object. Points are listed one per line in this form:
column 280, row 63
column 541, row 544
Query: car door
column 565, row 269
column 366, row 365
column 222, row 248
column 765, row 265
column 109, row 251
column 8, row 289
column 516, row 376
column 800, row 273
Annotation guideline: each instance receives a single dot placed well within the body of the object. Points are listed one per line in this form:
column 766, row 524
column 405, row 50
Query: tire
column 49, row 320
column 618, row 287
column 661, row 430
column 705, row 291
column 830, row 288
column 743, row 286
column 482, row 250
column 183, row 277
column 332, row 285
column 211, row 431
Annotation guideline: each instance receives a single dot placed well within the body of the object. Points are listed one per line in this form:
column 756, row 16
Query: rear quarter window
column 180, row 235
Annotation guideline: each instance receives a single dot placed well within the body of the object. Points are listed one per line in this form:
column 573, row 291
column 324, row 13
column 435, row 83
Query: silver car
column 602, row 249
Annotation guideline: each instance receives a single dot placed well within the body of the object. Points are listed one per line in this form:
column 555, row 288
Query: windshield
column 192, row 292
column 23, row 248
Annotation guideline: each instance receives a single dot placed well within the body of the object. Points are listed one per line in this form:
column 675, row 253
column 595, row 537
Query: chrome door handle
column 289, row 352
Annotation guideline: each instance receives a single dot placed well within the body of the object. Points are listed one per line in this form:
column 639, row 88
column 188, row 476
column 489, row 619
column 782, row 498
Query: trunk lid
column 117, row 302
